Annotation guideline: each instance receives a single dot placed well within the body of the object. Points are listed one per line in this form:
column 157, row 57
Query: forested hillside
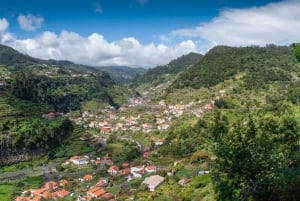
column 251, row 139
column 34, row 95
column 259, row 65
column 161, row 74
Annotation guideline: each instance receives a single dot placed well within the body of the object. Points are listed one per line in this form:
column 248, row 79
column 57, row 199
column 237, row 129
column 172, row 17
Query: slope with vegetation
column 161, row 74
column 253, row 132
column 260, row 65
column 32, row 88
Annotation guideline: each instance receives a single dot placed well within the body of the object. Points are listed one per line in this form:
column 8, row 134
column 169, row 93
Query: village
column 98, row 178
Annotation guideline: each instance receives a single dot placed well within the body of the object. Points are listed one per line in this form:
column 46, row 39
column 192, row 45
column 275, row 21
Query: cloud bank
column 94, row 50
column 30, row 22
column 273, row 23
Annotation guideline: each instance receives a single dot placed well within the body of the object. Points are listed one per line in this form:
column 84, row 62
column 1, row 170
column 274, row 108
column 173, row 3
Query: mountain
column 258, row 66
column 164, row 73
column 17, row 61
column 35, row 93
column 122, row 74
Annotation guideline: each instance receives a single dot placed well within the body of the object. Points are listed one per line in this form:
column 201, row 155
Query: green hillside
column 261, row 65
column 31, row 88
column 161, row 74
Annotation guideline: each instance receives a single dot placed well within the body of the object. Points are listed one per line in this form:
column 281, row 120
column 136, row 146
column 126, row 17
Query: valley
column 222, row 126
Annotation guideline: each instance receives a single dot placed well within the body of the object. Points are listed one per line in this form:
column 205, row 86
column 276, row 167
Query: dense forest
column 63, row 93
column 259, row 66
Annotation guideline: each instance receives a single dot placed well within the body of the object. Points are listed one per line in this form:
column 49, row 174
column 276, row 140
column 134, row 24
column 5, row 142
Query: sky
column 142, row 33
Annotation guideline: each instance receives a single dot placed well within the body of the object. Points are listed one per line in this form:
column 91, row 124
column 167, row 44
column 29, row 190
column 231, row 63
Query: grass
column 23, row 165
column 34, row 182
column 6, row 192
column 72, row 145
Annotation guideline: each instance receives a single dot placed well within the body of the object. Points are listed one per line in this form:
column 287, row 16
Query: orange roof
column 21, row 198
column 51, row 184
column 96, row 191
column 50, row 194
column 88, row 177
column 74, row 157
column 93, row 189
column 114, row 167
column 36, row 198
column 125, row 165
column 107, row 196
column 62, row 193
column 151, row 167
column 125, row 171
column 63, row 182
column 38, row 191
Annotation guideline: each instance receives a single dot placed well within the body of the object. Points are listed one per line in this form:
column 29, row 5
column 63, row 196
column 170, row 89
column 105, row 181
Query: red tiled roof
column 96, row 191
column 62, row 193
column 107, row 196
column 88, row 177
column 125, row 171
column 51, row 184
column 113, row 168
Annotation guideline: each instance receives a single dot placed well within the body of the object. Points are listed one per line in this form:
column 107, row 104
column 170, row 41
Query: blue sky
column 141, row 32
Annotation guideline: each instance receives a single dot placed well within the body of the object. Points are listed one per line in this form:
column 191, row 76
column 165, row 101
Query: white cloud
column 94, row 50
column 3, row 25
column 273, row 23
column 30, row 22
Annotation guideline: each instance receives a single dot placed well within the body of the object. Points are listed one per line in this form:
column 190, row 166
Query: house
column 201, row 172
column 207, row 107
column 113, row 170
column 106, row 160
column 105, row 130
column 102, row 182
column 79, row 160
column 162, row 127
column 95, row 192
column 107, row 196
column 137, row 168
column 153, row 182
column 39, row 192
column 29, row 198
column 125, row 171
column 184, row 181
column 62, row 193
column 63, row 182
column 150, row 169
column 51, row 185
column 88, row 177
column 146, row 127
